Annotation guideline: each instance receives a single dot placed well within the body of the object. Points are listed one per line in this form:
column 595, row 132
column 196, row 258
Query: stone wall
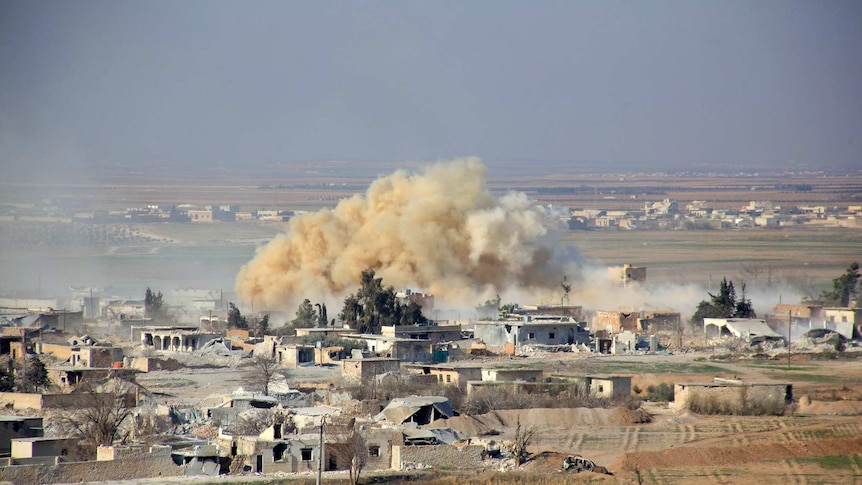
column 85, row 471
column 439, row 457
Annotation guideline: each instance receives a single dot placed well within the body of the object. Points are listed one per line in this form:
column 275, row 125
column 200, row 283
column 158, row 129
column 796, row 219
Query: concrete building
column 12, row 427
column 172, row 338
column 612, row 322
column 95, row 356
column 449, row 374
column 626, row 274
column 403, row 349
column 295, row 355
column 511, row 374
column 609, row 387
column 850, row 317
column 13, row 346
column 200, row 215
column 509, row 335
column 363, row 370
column 753, row 330
column 40, row 447
column 431, row 333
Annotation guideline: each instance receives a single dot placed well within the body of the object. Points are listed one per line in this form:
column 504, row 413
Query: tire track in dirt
column 741, row 437
column 797, row 474
column 627, row 439
column 635, row 437
column 577, row 443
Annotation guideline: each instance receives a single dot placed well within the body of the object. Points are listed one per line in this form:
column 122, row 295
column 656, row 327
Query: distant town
column 664, row 214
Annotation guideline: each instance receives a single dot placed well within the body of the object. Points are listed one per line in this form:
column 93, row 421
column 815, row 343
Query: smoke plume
column 440, row 230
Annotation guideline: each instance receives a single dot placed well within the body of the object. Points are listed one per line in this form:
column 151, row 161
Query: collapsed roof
column 417, row 409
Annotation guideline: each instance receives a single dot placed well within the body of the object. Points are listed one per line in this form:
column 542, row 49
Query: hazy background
column 262, row 86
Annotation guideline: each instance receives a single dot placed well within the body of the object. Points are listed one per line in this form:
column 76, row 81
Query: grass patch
column 833, row 462
column 645, row 367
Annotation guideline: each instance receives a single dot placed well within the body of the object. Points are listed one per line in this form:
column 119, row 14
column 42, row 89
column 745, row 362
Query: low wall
column 438, row 457
column 24, row 400
column 85, row 471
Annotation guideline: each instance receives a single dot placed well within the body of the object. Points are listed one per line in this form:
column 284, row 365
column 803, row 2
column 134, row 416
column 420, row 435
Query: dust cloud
column 440, row 230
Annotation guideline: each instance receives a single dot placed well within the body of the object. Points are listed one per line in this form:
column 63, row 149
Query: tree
column 724, row 304
column 844, row 288
column 306, row 317
column 744, row 308
column 322, row 318
column 154, row 306
column 374, row 306
column 262, row 372
column 7, row 377
column 235, row 318
column 490, row 310
column 523, row 437
column 351, row 311
column 411, row 314
column 102, row 412
column 263, row 324
column 34, row 376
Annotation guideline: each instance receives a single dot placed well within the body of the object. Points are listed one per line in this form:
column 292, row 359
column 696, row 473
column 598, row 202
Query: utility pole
column 789, row 334
column 320, row 453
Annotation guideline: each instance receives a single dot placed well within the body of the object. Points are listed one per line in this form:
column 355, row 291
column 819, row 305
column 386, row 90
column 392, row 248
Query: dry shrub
column 493, row 398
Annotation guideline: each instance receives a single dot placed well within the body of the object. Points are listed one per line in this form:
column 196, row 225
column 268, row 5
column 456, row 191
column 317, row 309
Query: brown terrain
column 818, row 439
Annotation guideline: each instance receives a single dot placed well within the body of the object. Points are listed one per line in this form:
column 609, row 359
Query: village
column 125, row 392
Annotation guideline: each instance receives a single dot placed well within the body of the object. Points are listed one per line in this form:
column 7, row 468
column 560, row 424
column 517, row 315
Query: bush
column 663, row 392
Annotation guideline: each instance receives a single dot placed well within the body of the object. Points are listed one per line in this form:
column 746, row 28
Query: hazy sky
column 259, row 83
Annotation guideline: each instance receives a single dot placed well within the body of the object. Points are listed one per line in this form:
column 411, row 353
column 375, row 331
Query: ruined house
column 363, row 370
column 449, row 374
column 172, row 338
column 612, row 322
column 416, row 409
column 752, row 330
column 733, row 393
column 509, row 335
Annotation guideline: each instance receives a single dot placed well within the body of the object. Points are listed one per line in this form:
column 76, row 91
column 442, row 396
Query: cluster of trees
column 28, row 376
column 724, row 304
column 374, row 306
column 309, row 317
column 495, row 309
column 154, row 306
column 235, row 319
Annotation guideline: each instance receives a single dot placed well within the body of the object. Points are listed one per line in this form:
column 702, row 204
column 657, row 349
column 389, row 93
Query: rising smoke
column 440, row 230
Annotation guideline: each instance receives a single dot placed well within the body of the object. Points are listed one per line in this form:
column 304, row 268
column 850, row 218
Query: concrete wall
column 22, row 400
column 86, row 471
column 96, row 356
column 34, row 447
column 361, row 370
column 510, row 375
column 439, row 457
column 615, row 322
column 611, row 387
column 733, row 395
column 61, row 352
column 457, row 377
column 12, row 427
